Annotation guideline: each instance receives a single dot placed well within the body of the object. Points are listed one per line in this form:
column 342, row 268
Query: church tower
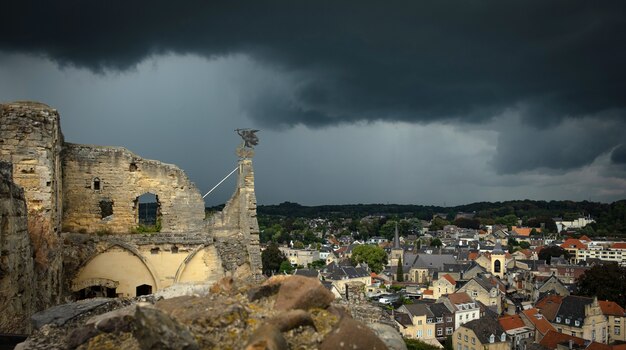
column 498, row 266
column 396, row 252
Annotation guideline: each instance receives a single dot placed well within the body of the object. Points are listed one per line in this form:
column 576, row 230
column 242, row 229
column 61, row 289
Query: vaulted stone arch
column 119, row 265
column 202, row 264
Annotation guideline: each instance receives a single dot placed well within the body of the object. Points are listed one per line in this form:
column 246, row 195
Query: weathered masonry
column 88, row 209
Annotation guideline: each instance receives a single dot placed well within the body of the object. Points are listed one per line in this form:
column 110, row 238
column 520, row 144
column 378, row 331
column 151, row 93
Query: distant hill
column 610, row 218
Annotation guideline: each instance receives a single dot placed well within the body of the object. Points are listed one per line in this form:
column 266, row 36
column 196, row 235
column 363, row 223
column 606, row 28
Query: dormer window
column 567, row 321
column 503, row 337
column 577, row 323
column 558, row 319
column 492, row 338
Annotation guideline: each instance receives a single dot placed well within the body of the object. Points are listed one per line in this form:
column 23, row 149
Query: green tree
column 285, row 267
column 606, row 281
column 374, row 256
column 271, row 258
column 399, row 272
column 438, row 223
column 318, row 264
column 552, row 251
column 414, row 344
column 436, row 242
column 524, row 245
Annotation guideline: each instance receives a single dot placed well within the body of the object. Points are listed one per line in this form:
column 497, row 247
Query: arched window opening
column 143, row 289
column 96, row 184
column 95, row 292
column 148, row 212
column 496, row 266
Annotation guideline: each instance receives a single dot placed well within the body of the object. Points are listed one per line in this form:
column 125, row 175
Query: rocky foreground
column 284, row 312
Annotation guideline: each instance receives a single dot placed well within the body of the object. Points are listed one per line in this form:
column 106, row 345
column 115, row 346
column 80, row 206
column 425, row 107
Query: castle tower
column 498, row 266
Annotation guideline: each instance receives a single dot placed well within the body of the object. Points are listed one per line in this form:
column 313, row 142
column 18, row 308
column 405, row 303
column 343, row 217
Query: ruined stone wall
column 236, row 230
column 31, row 139
column 16, row 264
column 93, row 175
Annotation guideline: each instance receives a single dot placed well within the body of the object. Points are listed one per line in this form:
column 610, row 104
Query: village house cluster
column 471, row 291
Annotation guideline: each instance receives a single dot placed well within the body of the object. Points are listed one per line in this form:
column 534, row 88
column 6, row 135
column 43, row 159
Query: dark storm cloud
column 411, row 61
column 618, row 155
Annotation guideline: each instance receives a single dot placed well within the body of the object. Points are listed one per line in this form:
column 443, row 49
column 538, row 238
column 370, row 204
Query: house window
column 617, row 320
column 429, row 320
column 473, row 340
column 449, row 331
column 429, row 332
column 567, row 321
column 439, row 319
column 419, row 333
column 577, row 323
column 439, row 332
column 449, row 319
column 419, row 322
column 616, row 330
column 474, row 293
column 459, row 347
column 558, row 319
column 459, row 336
column 465, row 338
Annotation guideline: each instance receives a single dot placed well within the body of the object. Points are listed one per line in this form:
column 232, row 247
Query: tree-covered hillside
column 610, row 218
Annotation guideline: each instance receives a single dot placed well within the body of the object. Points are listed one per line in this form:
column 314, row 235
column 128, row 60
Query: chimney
column 571, row 344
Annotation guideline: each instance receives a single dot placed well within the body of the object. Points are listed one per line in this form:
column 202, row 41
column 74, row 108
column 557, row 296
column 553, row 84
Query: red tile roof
column 460, row 298
column 473, row 255
column 428, row 292
column 449, row 279
column 619, row 245
column 585, row 238
column 511, row 322
column 537, row 319
column 573, row 243
column 611, row 308
column 549, row 306
column 553, row 338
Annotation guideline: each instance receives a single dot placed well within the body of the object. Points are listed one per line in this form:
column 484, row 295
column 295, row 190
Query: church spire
column 396, row 239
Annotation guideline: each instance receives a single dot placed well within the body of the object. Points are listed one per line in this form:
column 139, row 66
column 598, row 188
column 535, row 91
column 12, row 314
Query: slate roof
column 489, row 282
column 336, row 272
column 454, row 267
column 440, row 309
column 418, row 310
column 484, row 328
column 436, row 261
column 403, row 319
column 572, row 309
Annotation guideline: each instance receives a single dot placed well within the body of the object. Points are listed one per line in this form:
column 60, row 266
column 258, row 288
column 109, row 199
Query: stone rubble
column 231, row 314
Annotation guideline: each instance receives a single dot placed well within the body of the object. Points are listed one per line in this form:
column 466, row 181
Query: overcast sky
column 422, row 102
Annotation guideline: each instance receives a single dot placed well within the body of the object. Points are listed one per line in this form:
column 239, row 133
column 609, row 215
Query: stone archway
column 119, row 266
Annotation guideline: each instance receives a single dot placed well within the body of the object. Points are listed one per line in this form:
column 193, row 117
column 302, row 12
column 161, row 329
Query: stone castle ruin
column 73, row 225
